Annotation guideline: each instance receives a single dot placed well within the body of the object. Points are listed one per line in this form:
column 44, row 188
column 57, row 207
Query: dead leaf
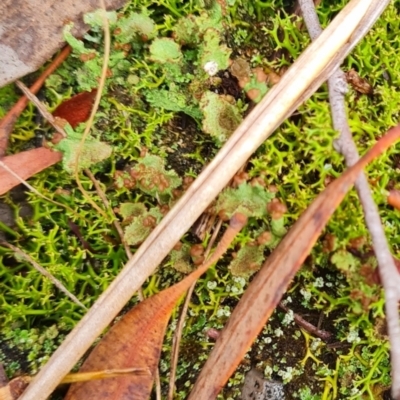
column 76, row 109
column 394, row 199
column 28, row 163
column 25, row 165
column 8, row 121
column 359, row 84
column 265, row 291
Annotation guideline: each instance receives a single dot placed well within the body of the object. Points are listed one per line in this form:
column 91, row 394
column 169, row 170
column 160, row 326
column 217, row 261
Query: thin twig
column 42, row 109
column 7, row 123
column 44, row 272
column 345, row 145
column 33, row 190
column 310, row 328
column 179, row 329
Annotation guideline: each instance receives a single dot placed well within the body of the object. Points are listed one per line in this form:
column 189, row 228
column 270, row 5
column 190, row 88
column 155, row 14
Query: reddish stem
column 7, row 123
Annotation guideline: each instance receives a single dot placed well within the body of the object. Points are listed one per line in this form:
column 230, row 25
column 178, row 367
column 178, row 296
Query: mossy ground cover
column 170, row 103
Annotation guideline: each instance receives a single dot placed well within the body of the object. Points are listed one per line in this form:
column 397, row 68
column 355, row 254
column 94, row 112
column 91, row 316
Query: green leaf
column 212, row 51
column 248, row 260
column 76, row 44
column 127, row 210
column 137, row 26
column 95, row 19
column 173, row 101
column 141, row 226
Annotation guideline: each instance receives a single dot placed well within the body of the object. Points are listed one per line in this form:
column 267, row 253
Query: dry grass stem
column 116, row 223
column 33, row 190
column 42, row 109
column 89, row 123
column 44, row 272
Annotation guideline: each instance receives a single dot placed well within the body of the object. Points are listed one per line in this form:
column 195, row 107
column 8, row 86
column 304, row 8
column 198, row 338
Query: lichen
column 141, row 226
column 152, row 178
column 221, row 117
column 246, row 199
column 92, row 151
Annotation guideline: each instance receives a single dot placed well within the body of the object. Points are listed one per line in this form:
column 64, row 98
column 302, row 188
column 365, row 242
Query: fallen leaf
column 25, row 165
column 76, row 109
column 25, row 49
column 8, row 121
column 359, row 84
column 265, row 291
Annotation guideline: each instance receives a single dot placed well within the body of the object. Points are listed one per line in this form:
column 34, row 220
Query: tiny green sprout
column 221, row 117
column 246, row 199
column 92, row 151
column 152, row 177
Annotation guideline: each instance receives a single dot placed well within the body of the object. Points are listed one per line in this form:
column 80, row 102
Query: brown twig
column 42, row 109
column 7, row 123
column 44, row 272
column 345, row 145
column 310, row 328
column 179, row 329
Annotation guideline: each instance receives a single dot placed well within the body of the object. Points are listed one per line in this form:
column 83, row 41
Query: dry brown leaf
column 25, row 165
